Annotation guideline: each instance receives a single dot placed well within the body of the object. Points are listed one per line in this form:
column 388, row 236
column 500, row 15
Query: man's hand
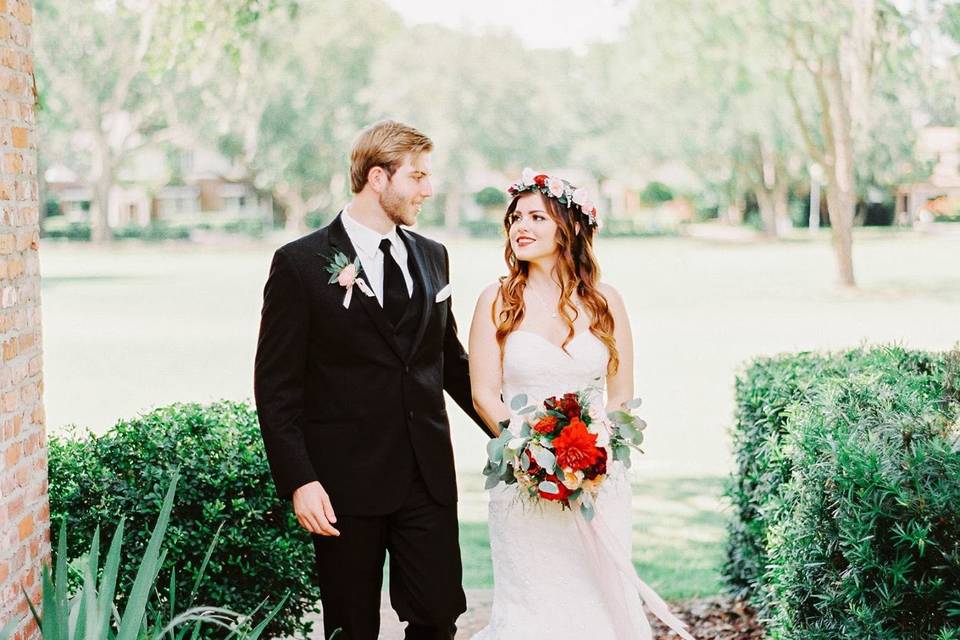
column 314, row 511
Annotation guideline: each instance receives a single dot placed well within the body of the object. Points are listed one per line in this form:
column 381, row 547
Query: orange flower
column 546, row 425
column 575, row 447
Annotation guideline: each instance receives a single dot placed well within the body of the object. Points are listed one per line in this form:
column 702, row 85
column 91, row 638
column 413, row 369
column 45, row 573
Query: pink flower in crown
column 555, row 185
column 348, row 276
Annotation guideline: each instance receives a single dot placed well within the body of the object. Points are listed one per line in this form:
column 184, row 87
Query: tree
column 111, row 86
column 286, row 106
column 834, row 51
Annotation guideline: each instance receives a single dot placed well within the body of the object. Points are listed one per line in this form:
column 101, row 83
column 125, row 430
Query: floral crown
column 558, row 189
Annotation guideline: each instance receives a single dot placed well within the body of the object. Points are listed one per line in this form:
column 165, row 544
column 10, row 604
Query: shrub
column 490, row 197
column 225, row 482
column 89, row 613
column 154, row 232
column 656, row 193
column 58, row 228
column 847, row 494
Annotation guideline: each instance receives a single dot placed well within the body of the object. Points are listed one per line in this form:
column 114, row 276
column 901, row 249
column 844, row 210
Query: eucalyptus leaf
column 548, row 487
column 525, row 460
column 491, row 482
column 495, row 450
column 544, row 457
column 633, row 404
column 516, row 443
column 527, row 410
column 586, row 510
column 519, row 401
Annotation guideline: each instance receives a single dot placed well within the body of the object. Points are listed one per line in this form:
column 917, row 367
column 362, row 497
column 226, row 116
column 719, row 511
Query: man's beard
column 398, row 209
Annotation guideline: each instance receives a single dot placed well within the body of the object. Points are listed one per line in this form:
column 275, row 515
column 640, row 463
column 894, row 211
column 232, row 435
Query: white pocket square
column 444, row 293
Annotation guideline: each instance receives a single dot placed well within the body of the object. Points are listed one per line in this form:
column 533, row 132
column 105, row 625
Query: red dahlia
column 575, row 447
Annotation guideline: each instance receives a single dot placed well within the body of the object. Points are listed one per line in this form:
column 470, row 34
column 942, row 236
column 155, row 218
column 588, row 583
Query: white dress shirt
column 367, row 243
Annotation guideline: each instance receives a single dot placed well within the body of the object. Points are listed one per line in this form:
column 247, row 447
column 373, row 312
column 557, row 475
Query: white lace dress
column 545, row 585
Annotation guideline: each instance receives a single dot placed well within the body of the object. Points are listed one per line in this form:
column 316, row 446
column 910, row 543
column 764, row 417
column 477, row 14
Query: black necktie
column 395, row 296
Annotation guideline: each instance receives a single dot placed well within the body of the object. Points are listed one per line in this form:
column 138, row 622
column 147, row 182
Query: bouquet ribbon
column 610, row 561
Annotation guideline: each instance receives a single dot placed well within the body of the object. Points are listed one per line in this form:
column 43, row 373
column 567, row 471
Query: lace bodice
column 535, row 366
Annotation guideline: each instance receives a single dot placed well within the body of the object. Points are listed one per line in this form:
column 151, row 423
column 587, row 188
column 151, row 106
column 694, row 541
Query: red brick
column 21, row 137
column 26, row 13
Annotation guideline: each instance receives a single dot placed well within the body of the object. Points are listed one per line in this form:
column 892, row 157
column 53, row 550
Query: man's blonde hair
column 383, row 144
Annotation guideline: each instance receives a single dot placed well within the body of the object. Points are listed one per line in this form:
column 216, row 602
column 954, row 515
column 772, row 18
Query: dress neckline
column 556, row 346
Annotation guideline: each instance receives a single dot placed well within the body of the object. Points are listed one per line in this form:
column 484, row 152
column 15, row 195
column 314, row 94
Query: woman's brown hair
column 576, row 270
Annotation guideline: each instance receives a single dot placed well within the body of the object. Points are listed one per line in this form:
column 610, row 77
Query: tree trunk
column 781, row 207
column 451, row 207
column 100, row 210
column 294, row 208
column 840, row 204
column 102, row 185
column 767, row 212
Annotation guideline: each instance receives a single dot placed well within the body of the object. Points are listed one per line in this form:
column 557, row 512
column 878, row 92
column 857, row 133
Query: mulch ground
column 716, row 618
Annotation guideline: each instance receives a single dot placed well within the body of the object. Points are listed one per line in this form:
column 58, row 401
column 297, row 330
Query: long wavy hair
column 576, row 270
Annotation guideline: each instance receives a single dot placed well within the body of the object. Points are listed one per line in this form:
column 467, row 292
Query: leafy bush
column 847, row 494
column 656, row 193
column 58, row 228
column 154, row 232
column 490, row 197
column 225, row 484
column 88, row 613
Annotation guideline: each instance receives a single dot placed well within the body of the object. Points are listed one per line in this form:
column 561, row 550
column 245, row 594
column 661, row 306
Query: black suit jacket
column 338, row 399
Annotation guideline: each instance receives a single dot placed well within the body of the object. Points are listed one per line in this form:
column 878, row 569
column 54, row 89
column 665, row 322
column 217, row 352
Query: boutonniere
column 347, row 274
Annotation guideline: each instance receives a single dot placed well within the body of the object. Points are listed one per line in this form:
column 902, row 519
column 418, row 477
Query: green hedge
column 847, row 494
column 224, row 484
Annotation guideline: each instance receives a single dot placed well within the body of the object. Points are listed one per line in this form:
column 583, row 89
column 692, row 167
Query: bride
column 547, row 328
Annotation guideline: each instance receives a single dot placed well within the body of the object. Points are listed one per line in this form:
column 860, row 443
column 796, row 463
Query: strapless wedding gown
column 547, row 582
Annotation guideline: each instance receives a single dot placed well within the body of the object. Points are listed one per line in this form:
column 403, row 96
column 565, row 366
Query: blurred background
column 772, row 175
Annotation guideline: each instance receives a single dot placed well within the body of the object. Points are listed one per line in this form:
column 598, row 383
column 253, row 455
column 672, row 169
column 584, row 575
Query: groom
column 357, row 344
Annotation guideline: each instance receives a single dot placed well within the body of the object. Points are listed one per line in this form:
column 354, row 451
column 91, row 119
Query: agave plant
column 90, row 612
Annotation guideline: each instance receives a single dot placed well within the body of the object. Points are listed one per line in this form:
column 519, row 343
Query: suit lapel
column 420, row 265
column 340, row 241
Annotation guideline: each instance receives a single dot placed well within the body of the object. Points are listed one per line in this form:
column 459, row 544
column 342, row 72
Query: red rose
column 569, row 405
column 599, row 468
column 560, row 496
column 534, row 468
column 540, row 180
column 575, row 447
column 546, row 425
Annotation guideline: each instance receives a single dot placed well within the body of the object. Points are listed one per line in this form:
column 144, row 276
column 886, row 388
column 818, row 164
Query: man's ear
column 378, row 178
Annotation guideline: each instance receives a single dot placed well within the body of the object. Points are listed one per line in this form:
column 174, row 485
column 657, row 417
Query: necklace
column 554, row 313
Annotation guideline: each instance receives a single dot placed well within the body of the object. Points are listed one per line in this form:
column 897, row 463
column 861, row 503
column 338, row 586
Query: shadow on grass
column 679, row 530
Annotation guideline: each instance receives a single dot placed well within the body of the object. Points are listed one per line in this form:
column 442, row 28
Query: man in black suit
column 351, row 366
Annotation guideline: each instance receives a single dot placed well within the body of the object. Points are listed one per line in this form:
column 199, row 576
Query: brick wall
column 24, row 511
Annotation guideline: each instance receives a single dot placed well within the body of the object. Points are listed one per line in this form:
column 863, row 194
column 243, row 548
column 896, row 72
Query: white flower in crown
column 580, row 196
column 555, row 185
column 526, row 178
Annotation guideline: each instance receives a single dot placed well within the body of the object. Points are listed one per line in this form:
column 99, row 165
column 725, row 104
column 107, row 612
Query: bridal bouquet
column 561, row 451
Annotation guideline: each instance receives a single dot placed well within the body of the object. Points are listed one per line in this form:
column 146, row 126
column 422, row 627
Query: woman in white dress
column 547, row 328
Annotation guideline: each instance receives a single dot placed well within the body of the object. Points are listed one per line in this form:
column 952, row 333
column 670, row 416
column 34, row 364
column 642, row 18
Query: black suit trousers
column 425, row 570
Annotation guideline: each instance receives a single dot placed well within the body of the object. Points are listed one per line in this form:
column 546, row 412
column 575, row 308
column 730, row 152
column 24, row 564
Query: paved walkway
column 478, row 612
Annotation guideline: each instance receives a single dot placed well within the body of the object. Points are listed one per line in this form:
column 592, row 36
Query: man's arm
column 278, row 375
column 456, row 367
